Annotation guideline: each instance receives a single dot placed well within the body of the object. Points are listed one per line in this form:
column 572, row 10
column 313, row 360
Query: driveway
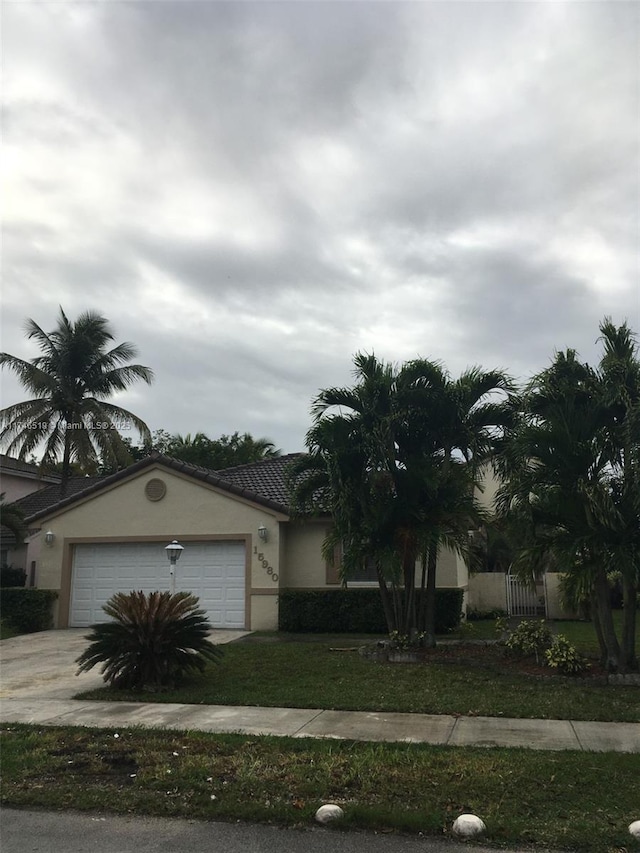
column 43, row 665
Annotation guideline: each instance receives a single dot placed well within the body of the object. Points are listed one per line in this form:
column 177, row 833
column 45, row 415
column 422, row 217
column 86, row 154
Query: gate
column 525, row 599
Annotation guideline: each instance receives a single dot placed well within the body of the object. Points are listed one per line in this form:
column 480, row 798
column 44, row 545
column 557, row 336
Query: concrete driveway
column 43, row 665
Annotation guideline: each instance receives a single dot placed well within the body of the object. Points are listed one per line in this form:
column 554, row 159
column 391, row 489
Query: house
column 17, row 480
column 241, row 545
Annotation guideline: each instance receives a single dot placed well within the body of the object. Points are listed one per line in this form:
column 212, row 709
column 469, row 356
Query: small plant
column 530, row 638
column 152, row 641
column 502, row 626
column 403, row 642
column 564, row 657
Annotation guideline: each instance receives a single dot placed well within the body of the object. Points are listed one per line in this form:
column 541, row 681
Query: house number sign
column 265, row 564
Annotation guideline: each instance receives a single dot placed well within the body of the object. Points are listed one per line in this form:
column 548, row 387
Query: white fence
column 490, row 590
column 525, row 599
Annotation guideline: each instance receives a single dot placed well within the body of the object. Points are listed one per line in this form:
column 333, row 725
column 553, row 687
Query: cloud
column 252, row 192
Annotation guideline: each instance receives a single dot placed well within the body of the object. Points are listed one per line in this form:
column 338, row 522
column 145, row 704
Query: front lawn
column 311, row 675
column 572, row 800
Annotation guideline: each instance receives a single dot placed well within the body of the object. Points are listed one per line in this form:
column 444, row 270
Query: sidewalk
column 38, row 681
column 349, row 725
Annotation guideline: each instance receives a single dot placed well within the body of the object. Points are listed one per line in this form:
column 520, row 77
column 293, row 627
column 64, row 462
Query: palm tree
column 12, row 518
column 395, row 460
column 71, row 382
column 571, row 475
column 619, row 373
column 224, row 452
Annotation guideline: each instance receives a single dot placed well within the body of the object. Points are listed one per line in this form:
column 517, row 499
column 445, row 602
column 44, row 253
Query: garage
column 214, row 571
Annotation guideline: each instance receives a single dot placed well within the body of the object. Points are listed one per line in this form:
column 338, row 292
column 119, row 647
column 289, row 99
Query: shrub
column 12, row 577
column 530, row 638
column 474, row 615
column 27, row 610
column 564, row 657
column 152, row 641
column 354, row 611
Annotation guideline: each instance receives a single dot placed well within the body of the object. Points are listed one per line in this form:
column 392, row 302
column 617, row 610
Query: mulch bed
column 491, row 656
column 495, row 657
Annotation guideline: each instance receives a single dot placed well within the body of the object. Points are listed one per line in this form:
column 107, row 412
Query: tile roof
column 267, row 478
column 18, row 466
column 262, row 482
column 44, row 499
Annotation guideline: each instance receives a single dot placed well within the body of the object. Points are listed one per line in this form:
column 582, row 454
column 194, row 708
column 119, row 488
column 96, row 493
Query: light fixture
column 174, row 552
column 262, row 533
column 49, row 537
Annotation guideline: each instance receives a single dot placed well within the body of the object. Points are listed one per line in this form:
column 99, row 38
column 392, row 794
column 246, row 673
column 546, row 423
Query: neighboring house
column 18, row 479
column 241, row 547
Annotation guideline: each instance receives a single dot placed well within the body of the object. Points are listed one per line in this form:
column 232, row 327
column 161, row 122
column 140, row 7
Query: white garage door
column 214, row 571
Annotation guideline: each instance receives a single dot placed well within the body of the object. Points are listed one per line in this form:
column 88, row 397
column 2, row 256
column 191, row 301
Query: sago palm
column 152, row 642
column 70, row 383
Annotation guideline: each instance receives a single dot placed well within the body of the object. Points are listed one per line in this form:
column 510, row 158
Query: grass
column 6, row 632
column 310, row 675
column 576, row 800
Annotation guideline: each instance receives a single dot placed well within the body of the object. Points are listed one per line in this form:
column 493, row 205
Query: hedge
column 12, row 577
column 27, row 610
column 353, row 611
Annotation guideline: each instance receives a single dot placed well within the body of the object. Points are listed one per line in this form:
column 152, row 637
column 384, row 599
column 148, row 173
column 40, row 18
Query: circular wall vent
column 155, row 489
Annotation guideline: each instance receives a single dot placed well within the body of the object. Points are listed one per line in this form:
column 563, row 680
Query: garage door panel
column 213, row 571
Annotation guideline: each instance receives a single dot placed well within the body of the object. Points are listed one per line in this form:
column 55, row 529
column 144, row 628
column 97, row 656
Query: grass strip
column 572, row 800
column 310, row 675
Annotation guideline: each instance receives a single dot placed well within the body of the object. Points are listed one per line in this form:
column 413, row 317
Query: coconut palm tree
column 70, row 383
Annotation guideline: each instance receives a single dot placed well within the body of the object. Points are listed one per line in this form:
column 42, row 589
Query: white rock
column 634, row 829
column 326, row 814
column 468, row 826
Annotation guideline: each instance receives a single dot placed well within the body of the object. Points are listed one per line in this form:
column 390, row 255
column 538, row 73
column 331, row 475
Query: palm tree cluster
column 224, row 452
column 570, row 475
column 70, row 383
column 397, row 460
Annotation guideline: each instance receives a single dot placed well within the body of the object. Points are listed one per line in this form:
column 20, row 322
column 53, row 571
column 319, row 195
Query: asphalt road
column 28, row 831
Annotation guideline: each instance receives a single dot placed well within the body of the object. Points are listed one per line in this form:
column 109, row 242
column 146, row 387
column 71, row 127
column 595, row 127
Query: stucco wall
column 490, row 486
column 303, row 564
column 487, row 591
column 16, row 486
column 555, row 610
column 188, row 510
column 264, row 612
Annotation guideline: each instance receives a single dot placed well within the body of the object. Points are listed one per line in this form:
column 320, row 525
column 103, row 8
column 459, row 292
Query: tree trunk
column 66, row 460
column 409, row 614
column 430, row 604
column 613, row 662
column 422, row 600
column 387, row 604
column 595, row 618
column 629, row 597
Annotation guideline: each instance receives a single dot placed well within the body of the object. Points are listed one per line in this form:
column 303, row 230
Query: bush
column 12, row 577
column 152, row 641
column 479, row 615
column 530, row 638
column 564, row 657
column 354, row 611
column 27, row 610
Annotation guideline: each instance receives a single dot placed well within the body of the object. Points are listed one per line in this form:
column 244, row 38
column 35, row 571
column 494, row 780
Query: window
column 367, row 573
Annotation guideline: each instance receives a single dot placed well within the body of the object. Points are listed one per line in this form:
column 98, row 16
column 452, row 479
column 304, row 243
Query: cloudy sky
column 252, row 192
